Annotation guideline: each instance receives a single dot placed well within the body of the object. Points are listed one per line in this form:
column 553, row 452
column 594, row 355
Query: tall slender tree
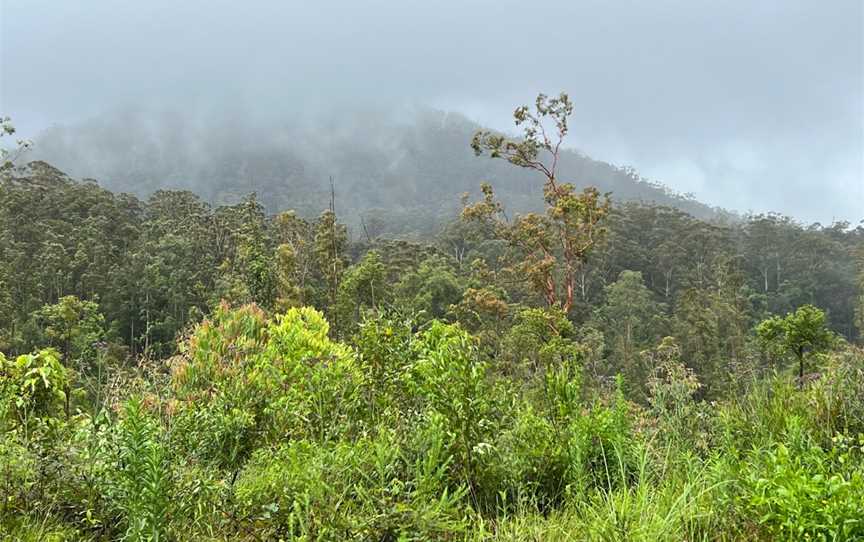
column 548, row 249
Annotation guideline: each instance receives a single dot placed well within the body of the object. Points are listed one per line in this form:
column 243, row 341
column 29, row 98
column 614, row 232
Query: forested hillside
column 383, row 163
column 176, row 368
column 157, row 265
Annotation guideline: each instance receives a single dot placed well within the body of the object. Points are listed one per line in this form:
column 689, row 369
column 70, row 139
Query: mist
column 748, row 106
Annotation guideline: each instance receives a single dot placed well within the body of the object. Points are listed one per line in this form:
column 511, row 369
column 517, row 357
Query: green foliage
column 293, row 260
column 630, row 320
column 562, row 447
column 672, row 387
column 207, row 397
column 802, row 333
column 365, row 489
column 20, row 475
column 800, row 491
column 484, row 309
column 270, row 429
column 329, row 253
column 548, row 250
column 74, row 327
column 143, row 475
column 33, row 387
column 363, row 287
column 247, row 381
column 541, row 338
column 431, row 289
column 451, row 380
column 386, row 355
column 247, row 274
column 711, row 331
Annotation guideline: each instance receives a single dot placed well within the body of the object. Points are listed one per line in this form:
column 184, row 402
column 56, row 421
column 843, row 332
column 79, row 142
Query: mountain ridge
column 385, row 163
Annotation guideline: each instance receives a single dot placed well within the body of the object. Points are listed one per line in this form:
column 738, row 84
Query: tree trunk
column 800, row 367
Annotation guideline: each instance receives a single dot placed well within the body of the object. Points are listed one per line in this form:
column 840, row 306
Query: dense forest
column 562, row 363
column 382, row 162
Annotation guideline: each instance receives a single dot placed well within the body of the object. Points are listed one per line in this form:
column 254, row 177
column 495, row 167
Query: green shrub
column 386, row 355
column 359, row 491
column 451, row 381
column 33, row 387
column 272, row 430
column 143, row 477
column 532, row 463
column 18, row 476
column 798, row 491
column 247, row 382
column 680, row 420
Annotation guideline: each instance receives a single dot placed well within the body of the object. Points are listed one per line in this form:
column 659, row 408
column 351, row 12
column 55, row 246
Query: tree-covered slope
column 171, row 369
column 411, row 167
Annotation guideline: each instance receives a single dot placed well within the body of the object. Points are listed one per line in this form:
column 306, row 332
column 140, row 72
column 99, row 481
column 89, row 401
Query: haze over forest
column 746, row 107
column 431, row 271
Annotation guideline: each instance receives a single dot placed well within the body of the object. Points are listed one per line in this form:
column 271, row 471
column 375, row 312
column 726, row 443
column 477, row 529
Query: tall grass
column 447, row 450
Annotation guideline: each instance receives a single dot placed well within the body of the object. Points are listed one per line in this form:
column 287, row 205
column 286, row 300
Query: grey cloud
column 749, row 105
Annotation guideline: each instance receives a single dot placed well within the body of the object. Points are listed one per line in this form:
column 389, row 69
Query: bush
column 359, row 491
column 799, row 491
column 247, row 381
column 143, row 481
column 270, row 429
column 33, row 387
column 451, row 381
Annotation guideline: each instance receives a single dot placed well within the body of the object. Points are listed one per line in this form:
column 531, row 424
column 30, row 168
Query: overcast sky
column 748, row 104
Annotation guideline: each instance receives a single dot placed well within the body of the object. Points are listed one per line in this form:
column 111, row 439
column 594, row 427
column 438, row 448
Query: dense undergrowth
column 589, row 373
column 264, row 428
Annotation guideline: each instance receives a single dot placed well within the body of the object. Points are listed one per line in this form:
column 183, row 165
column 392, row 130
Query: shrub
column 33, row 387
column 672, row 388
column 143, row 478
column 341, row 491
column 799, row 491
column 451, row 381
column 247, row 381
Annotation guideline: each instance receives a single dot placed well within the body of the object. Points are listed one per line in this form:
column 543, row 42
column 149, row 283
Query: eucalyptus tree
column 631, row 320
column 547, row 250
